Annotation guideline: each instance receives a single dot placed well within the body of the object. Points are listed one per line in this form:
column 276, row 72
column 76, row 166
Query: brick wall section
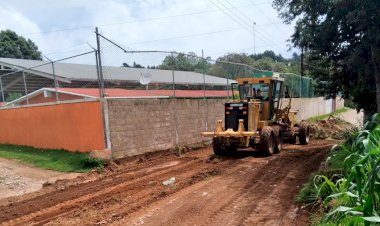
column 138, row 126
column 146, row 125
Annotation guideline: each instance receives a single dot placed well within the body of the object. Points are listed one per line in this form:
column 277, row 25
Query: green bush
column 89, row 163
column 352, row 195
column 348, row 188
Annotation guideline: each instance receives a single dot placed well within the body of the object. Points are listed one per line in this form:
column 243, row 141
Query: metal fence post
column 55, row 82
column 173, row 86
column 25, row 88
column 2, row 90
column 97, row 68
column 174, row 102
column 55, row 79
column 103, row 102
column 228, row 91
column 204, row 91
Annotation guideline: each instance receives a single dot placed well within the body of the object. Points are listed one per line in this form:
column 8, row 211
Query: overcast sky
column 62, row 28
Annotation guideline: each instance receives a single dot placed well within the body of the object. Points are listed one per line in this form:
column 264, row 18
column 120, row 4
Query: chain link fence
column 27, row 82
column 111, row 70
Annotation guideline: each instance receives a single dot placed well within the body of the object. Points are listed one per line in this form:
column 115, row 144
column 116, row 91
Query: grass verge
column 335, row 113
column 58, row 160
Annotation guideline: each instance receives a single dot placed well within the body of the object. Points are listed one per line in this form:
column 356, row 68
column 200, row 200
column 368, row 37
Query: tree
column 265, row 63
column 15, row 46
column 231, row 70
column 137, row 65
column 342, row 40
column 269, row 54
column 184, row 62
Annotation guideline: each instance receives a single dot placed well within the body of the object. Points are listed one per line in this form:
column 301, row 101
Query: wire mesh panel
column 39, row 82
column 153, row 74
column 300, row 86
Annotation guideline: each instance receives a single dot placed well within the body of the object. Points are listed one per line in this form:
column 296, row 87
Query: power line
column 263, row 39
column 267, row 17
column 171, row 52
column 252, row 22
column 186, row 36
column 72, row 49
column 233, row 18
column 133, row 21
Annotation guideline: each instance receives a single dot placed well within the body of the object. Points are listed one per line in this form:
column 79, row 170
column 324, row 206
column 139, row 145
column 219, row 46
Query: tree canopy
column 267, row 60
column 342, row 44
column 15, row 46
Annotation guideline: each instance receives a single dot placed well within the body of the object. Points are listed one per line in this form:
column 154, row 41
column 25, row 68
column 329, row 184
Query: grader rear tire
column 267, row 140
column 304, row 134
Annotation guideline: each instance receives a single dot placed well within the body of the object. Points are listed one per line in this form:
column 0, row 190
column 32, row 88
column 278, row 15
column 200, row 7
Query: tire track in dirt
column 242, row 195
column 140, row 195
column 270, row 185
column 67, row 199
column 242, row 190
column 283, row 190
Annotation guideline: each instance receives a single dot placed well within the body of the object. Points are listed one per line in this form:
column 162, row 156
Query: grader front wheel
column 279, row 139
column 221, row 147
column 267, row 140
column 304, row 134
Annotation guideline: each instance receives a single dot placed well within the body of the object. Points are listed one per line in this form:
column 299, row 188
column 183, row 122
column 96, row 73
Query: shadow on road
column 244, row 153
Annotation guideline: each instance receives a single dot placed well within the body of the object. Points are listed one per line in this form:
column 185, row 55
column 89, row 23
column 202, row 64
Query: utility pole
column 302, row 69
column 254, row 38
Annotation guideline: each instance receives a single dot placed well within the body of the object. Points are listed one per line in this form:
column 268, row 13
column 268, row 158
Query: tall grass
column 351, row 194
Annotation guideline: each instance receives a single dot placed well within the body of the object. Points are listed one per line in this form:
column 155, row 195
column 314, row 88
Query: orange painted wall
column 70, row 126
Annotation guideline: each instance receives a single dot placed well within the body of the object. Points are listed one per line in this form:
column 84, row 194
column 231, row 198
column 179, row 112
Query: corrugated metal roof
column 123, row 93
column 79, row 72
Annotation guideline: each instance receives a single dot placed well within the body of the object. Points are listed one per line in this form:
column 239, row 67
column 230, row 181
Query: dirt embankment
column 247, row 189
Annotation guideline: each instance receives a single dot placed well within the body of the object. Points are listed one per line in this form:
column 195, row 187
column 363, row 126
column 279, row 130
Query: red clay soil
column 248, row 189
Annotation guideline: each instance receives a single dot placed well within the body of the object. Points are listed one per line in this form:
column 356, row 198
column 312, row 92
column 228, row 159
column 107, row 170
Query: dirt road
column 18, row 178
column 245, row 190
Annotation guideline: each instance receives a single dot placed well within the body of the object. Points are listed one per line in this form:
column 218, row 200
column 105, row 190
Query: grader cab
column 258, row 117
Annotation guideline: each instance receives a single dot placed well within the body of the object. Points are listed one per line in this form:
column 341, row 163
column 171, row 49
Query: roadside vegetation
column 335, row 113
column 347, row 189
column 58, row 160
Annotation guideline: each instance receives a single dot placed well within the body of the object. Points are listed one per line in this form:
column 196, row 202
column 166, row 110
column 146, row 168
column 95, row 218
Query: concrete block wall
column 339, row 103
column 138, row 126
column 310, row 107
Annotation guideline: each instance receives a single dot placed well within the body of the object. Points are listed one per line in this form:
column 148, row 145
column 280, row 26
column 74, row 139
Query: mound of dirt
column 332, row 127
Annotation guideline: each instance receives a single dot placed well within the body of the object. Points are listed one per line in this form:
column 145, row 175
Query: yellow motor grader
column 257, row 117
